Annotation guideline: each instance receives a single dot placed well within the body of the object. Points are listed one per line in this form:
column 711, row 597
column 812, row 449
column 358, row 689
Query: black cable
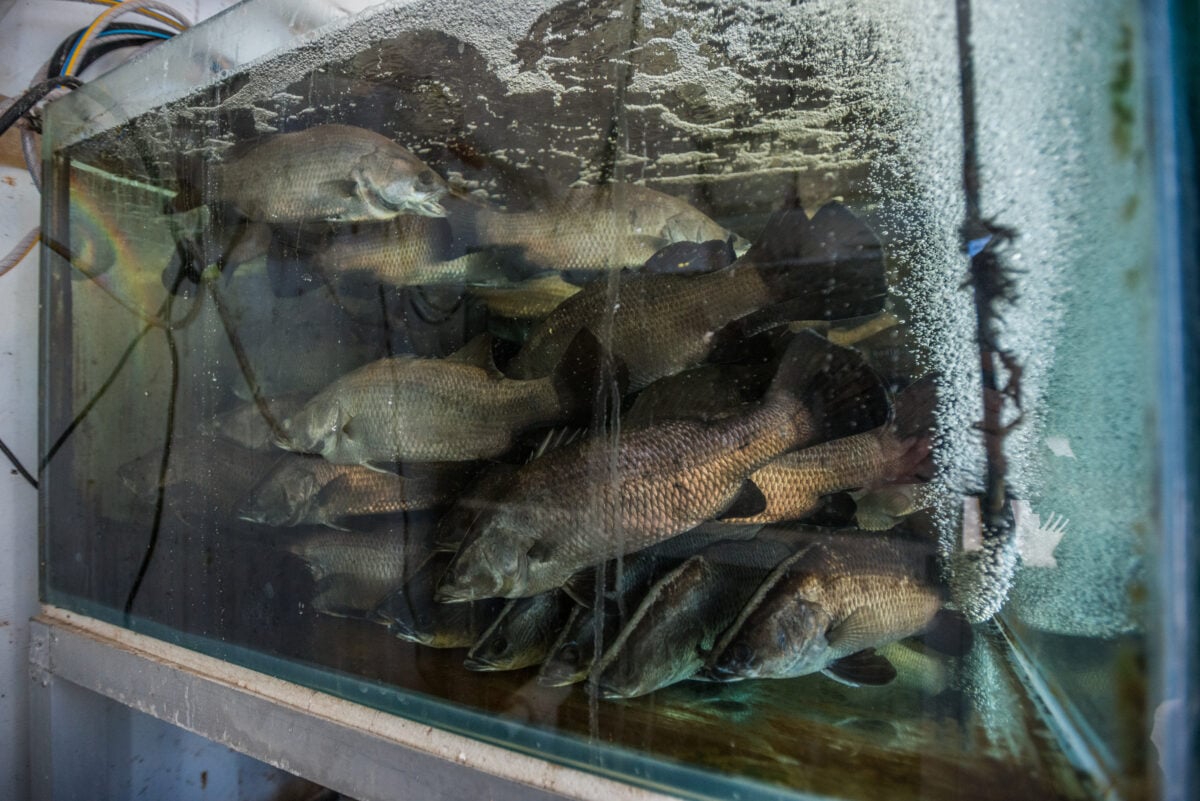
column 33, row 95
column 12, row 457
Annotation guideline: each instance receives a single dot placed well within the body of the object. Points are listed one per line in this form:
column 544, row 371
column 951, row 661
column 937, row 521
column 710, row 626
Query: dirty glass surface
column 625, row 382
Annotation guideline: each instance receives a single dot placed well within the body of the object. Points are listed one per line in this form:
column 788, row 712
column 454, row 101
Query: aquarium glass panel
column 744, row 400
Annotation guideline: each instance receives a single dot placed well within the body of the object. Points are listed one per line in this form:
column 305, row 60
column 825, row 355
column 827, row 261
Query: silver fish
column 355, row 570
column 301, row 490
column 328, row 172
column 594, row 228
column 405, row 409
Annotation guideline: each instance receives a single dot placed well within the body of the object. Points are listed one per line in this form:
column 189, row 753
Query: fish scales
column 882, row 589
column 410, row 409
column 598, row 228
column 828, row 267
column 304, row 490
column 661, row 323
column 408, row 250
column 588, row 501
column 328, row 172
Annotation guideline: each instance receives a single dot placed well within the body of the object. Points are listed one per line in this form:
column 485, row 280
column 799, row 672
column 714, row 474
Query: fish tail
column 827, row 268
column 912, row 429
column 586, row 374
column 835, row 393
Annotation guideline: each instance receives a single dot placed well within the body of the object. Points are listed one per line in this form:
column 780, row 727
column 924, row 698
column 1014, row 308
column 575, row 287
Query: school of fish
column 672, row 455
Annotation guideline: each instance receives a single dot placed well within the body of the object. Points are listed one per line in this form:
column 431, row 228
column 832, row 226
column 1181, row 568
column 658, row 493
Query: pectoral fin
column 862, row 668
column 749, row 502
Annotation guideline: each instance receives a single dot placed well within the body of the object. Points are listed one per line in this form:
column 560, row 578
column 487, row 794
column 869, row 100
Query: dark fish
column 480, row 497
column 592, row 500
column 801, row 269
column 328, row 172
column 522, row 634
column 355, row 570
column 245, row 425
column 305, row 490
column 594, row 228
column 571, row 656
column 707, row 392
column 897, row 452
column 405, row 409
column 828, row 607
column 676, row 624
column 412, row 614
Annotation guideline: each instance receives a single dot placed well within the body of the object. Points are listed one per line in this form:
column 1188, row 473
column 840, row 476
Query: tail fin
column 585, row 376
column 826, row 268
column 913, row 427
column 838, row 392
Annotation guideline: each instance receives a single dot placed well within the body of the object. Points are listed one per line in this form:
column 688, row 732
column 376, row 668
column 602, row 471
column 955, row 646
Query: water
column 737, row 112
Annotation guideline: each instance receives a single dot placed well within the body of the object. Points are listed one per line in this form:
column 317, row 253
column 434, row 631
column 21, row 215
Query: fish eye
column 740, row 653
column 499, row 645
column 570, row 653
column 426, row 177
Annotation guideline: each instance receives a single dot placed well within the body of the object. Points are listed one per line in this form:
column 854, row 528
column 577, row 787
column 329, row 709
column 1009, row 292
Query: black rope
column 16, row 463
column 34, row 95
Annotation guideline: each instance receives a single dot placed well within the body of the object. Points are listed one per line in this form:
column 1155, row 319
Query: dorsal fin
column 477, row 353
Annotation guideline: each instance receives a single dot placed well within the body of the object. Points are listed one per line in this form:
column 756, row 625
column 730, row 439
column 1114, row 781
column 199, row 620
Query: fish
column 305, row 490
column 660, row 324
column 411, row 613
column 532, row 299
column 355, row 570
column 896, row 452
column 479, row 496
column 405, row 251
column 327, row 172
column 827, row 608
column 594, row 228
column 594, row 499
column 707, row 392
column 522, row 634
column 666, row 639
column 882, row 508
column 206, row 476
column 245, row 425
column 571, row 655
column 408, row 409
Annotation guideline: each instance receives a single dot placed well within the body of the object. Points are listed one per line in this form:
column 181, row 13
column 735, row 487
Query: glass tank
column 744, row 400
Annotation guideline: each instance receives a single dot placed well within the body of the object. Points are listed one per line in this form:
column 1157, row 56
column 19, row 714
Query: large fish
column 355, row 570
column 828, row 267
column 304, row 490
column 405, row 251
column 828, row 607
column 896, row 452
column 595, row 499
column 405, row 409
column 522, row 634
column 681, row 616
column 532, row 299
column 594, row 228
column 412, row 614
column 328, row 172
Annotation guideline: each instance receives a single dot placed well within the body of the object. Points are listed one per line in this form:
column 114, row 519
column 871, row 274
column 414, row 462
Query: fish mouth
column 480, row 665
column 559, row 676
column 451, row 595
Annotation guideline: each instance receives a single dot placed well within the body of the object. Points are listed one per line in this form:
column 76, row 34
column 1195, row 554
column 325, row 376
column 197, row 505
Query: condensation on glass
column 464, row 169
